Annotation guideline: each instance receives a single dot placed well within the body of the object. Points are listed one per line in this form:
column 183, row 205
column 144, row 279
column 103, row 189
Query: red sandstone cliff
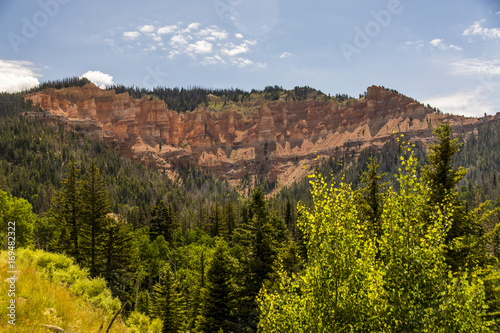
column 277, row 138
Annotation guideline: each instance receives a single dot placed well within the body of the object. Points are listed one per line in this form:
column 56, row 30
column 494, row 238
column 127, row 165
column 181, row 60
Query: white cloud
column 441, row 45
column 131, row 34
column 213, row 60
column 17, row 76
column 235, row 50
column 241, row 62
column 193, row 26
column 166, row 30
column 98, row 78
column 213, row 33
column 419, row 44
column 286, row 55
column 173, row 54
column 210, row 45
column 200, row 46
column 477, row 67
column 477, row 30
column 178, row 40
column 147, row 29
column 473, row 103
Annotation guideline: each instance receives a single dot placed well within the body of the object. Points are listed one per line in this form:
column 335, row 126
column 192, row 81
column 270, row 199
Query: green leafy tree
column 16, row 216
column 347, row 287
column 421, row 292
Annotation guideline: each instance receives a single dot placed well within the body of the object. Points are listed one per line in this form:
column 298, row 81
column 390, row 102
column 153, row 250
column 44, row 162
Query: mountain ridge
column 274, row 139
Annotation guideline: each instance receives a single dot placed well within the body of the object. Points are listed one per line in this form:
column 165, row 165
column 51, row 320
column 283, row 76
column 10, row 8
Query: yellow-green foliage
column 51, row 290
column 354, row 282
column 16, row 215
column 140, row 323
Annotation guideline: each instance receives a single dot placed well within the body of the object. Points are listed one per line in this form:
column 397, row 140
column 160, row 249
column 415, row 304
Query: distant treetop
column 59, row 84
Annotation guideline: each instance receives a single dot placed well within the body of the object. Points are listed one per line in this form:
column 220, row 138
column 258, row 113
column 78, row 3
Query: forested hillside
column 399, row 239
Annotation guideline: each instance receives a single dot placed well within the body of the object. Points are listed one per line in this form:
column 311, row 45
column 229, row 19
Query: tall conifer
column 95, row 206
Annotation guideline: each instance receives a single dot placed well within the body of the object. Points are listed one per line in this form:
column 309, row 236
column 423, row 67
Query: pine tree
column 216, row 310
column 439, row 173
column 255, row 237
column 167, row 304
column 143, row 302
column 229, row 220
column 289, row 217
column 462, row 238
column 65, row 213
column 60, row 240
column 216, row 226
column 119, row 255
column 71, row 206
column 95, row 206
column 370, row 198
column 280, row 234
column 162, row 222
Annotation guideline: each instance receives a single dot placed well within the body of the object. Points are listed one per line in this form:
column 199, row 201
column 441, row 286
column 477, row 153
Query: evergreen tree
column 60, row 236
column 464, row 247
column 143, row 302
column 71, row 205
column 119, row 255
column 289, row 217
column 167, row 304
column 280, row 231
column 95, row 206
column 370, row 198
column 216, row 310
column 229, row 220
column 255, row 237
column 439, row 173
column 215, row 226
column 65, row 213
column 162, row 222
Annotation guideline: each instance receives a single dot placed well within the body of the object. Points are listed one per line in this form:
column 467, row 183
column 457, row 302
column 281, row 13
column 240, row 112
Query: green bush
column 62, row 269
column 140, row 323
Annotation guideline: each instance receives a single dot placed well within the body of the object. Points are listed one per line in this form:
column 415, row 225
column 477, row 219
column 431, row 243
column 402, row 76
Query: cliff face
column 276, row 139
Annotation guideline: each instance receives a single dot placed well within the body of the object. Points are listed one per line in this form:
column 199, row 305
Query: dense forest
column 403, row 239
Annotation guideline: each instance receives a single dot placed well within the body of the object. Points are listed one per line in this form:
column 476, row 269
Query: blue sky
column 446, row 53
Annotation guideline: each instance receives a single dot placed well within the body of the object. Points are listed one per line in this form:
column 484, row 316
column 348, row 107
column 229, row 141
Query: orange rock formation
column 276, row 139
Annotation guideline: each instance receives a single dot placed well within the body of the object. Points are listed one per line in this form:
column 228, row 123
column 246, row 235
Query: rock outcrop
column 271, row 138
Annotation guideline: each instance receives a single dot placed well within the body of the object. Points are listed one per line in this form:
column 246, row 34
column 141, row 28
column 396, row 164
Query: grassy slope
column 40, row 301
